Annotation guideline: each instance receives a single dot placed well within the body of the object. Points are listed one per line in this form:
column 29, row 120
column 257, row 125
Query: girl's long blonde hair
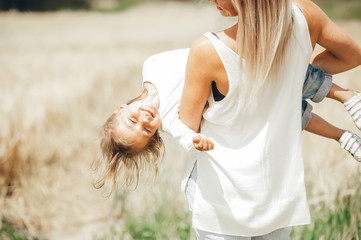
column 264, row 28
column 119, row 164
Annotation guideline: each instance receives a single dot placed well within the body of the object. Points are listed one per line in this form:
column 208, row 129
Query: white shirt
column 166, row 71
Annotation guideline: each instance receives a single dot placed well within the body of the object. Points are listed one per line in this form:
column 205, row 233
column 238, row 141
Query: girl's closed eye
column 132, row 120
column 147, row 130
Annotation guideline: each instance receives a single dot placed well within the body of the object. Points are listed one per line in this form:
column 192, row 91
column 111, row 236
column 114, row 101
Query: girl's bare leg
column 340, row 94
column 348, row 140
column 319, row 126
column 351, row 101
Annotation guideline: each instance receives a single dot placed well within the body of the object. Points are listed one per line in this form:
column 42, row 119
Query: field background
column 61, row 75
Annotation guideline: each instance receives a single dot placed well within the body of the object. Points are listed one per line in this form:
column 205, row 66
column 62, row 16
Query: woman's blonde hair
column 118, row 161
column 264, row 28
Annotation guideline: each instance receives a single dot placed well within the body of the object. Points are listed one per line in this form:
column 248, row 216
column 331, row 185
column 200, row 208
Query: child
column 131, row 141
column 317, row 85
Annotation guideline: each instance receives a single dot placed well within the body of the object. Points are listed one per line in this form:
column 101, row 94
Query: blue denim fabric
column 316, row 86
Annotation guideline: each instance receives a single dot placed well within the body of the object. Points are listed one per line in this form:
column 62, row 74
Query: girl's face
column 225, row 7
column 138, row 121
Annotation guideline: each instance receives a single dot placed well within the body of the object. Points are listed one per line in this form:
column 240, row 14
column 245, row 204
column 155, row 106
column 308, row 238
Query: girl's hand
column 201, row 143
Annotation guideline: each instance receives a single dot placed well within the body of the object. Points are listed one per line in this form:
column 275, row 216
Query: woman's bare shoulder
column 308, row 7
column 315, row 18
column 203, row 54
column 202, row 47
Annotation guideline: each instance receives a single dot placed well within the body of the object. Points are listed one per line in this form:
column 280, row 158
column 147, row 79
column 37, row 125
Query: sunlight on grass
column 342, row 222
column 167, row 222
column 337, row 9
column 9, row 232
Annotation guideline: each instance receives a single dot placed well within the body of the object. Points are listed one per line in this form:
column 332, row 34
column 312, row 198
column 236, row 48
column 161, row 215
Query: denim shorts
column 316, row 86
column 278, row 234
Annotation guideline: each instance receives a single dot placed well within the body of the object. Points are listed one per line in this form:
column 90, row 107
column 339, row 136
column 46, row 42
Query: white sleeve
column 182, row 134
column 151, row 70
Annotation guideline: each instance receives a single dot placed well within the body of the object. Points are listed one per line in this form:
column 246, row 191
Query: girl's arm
column 187, row 138
column 198, row 82
column 341, row 52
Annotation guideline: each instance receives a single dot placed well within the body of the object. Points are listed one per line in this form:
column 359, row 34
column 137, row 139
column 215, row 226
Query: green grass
column 162, row 225
column 168, row 222
column 338, row 9
column 342, row 223
column 122, row 5
column 171, row 222
column 10, row 232
column 125, row 4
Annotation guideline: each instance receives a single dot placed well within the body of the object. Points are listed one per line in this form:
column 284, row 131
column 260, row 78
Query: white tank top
column 253, row 181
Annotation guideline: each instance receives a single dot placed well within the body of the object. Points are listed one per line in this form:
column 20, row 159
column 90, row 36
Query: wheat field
column 62, row 74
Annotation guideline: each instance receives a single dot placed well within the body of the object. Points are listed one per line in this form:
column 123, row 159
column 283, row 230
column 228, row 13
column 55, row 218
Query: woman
column 252, row 183
column 131, row 142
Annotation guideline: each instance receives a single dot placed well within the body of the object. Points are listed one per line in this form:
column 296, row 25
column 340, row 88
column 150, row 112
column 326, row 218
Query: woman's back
column 253, row 179
column 252, row 182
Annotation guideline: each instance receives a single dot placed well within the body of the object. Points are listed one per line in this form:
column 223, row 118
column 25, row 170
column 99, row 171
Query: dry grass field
column 62, row 74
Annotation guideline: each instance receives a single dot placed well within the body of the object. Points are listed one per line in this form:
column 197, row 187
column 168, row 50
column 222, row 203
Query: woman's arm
column 341, row 51
column 198, row 82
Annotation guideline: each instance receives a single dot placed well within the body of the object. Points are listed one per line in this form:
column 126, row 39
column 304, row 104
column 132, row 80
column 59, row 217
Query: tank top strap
column 230, row 61
column 225, row 53
column 301, row 30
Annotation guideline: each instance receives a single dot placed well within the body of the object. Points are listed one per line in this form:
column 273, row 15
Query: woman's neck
column 229, row 37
